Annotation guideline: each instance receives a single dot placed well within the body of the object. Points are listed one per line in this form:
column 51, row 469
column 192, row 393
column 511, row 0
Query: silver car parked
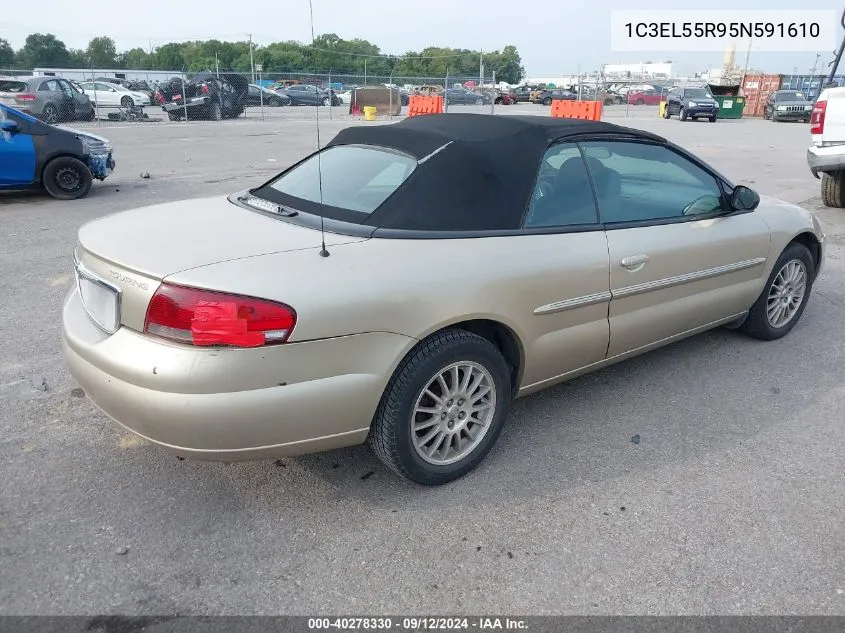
column 51, row 99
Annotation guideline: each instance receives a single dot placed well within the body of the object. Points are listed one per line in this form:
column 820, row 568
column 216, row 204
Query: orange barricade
column 588, row 110
column 425, row 105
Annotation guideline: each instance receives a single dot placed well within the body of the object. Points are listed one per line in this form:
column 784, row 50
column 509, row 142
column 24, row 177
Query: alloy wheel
column 50, row 115
column 786, row 293
column 453, row 413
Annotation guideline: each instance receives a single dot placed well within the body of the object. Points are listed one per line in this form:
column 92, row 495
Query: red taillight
column 205, row 89
column 817, row 118
column 25, row 97
column 159, row 97
column 204, row 317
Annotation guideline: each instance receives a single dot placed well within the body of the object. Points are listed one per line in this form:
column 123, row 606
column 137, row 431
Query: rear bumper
column 825, row 159
column 232, row 404
column 192, row 102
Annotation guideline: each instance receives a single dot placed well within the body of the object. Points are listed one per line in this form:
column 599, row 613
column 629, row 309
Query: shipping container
column 810, row 85
column 756, row 89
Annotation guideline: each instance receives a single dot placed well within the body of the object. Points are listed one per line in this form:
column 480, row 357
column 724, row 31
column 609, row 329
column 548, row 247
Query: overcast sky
column 553, row 36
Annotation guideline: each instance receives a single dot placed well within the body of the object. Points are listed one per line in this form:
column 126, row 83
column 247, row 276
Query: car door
column 17, row 152
column 679, row 260
column 75, row 104
column 568, row 291
column 50, row 94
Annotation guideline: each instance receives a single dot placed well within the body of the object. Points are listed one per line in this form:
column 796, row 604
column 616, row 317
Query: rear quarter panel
column 416, row 287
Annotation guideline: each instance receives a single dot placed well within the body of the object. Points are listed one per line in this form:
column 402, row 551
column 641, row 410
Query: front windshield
column 351, row 177
column 696, row 93
column 790, row 96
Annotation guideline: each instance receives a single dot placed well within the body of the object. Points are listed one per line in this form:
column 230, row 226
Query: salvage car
column 105, row 95
column 306, row 94
column 35, row 155
column 259, row 95
column 133, row 85
column 462, row 96
column 447, row 280
column 51, row 99
column 207, row 96
column 788, row 105
column 547, row 96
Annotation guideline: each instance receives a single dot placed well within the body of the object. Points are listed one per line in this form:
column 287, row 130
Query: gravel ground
column 731, row 502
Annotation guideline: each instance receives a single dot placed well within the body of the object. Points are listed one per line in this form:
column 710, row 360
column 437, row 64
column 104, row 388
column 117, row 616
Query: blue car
column 35, row 155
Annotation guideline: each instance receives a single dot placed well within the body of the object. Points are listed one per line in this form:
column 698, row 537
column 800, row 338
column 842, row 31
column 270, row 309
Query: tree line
column 327, row 53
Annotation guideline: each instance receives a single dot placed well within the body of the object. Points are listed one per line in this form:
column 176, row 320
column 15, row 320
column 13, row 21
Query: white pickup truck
column 826, row 155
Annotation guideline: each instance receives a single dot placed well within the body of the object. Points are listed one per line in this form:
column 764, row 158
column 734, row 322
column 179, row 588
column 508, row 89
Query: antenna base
column 324, row 252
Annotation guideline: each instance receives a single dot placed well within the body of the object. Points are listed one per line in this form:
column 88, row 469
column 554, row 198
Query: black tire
column 682, row 114
column 639, row 102
column 174, row 116
column 215, row 112
column 666, row 113
column 274, row 102
column 126, row 102
column 50, row 114
column 66, row 178
column 499, row 101
column 91, row 114
column 547, row 101
column 391, row 432
column 833, row 189
column 757, row 324
column 712, row 119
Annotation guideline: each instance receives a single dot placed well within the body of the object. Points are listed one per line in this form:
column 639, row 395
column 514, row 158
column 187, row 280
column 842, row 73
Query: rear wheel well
column 503, row 338
column 809, row 240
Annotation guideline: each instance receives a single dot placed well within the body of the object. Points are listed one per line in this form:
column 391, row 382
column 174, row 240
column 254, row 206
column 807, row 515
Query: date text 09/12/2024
column 687, row 30
column 417, row 623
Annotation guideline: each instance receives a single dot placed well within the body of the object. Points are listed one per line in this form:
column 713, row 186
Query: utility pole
column 217, row 64
column 251, row 60
column 745, row 70
column 481, row 68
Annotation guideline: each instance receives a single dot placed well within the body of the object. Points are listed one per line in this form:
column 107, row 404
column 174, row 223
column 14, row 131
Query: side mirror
column 744, row 199
column 7, row 125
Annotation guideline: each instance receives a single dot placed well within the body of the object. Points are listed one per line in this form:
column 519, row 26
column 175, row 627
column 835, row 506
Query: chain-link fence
column 103, row 96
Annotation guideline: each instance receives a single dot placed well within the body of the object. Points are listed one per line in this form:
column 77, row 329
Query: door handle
column 634, row 262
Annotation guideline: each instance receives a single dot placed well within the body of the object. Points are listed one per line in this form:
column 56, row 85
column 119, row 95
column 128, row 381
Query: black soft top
column 475, row 172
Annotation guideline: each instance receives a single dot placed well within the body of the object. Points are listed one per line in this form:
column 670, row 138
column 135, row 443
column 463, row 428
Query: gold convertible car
column 405, row 283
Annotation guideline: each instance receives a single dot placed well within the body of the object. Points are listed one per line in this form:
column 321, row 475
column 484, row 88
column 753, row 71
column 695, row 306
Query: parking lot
column 729, row 501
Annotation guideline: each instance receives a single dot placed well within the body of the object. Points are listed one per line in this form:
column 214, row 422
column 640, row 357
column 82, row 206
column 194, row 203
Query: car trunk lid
column 133, row 251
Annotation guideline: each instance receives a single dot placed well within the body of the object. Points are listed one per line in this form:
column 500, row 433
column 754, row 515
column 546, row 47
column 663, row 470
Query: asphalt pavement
column 704, row 478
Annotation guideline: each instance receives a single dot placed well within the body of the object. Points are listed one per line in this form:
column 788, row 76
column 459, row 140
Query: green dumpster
column 730, row 107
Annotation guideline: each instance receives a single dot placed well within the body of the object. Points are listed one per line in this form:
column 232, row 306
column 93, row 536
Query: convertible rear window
column 13, row 86
column 355, row 178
